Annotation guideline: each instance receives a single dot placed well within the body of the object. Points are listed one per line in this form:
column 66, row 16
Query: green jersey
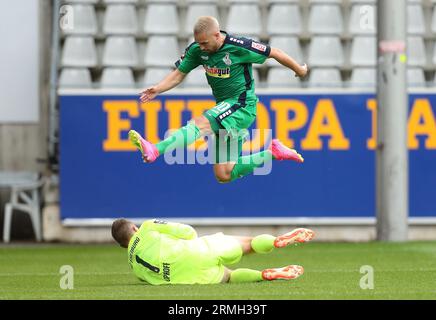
column 228, row 70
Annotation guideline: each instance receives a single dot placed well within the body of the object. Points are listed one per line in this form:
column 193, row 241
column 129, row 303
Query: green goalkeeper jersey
column 228, row 70
column 170, row 253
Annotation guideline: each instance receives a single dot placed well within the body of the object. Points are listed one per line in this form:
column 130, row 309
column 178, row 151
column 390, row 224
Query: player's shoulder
column 246, row 43
column 193, row 47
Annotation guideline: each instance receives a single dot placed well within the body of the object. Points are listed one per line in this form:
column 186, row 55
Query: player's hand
column 304, row 70
column 148, row 94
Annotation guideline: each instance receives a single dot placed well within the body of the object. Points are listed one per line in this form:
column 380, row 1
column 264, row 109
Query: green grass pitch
column 332, row 271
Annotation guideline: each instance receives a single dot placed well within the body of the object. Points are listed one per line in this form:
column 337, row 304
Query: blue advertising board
column 103, row 176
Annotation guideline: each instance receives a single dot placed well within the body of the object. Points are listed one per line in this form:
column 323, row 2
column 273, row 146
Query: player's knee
column 223, row 176
column 202, row 124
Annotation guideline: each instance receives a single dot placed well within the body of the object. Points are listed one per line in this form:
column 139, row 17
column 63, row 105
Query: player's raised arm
column 287, row 61
column 170, row 81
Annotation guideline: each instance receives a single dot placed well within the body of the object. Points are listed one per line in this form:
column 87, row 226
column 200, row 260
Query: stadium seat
column 161, row 51
column 416, row 51
column 284, row 19
column 325, row 1
column 82, row 1
column 363, row 51
column 120, row 1
column 415, row 19
column 199, row 1
column 434, row 54
column 325, row 77
column 283, row 1
column 363, row 77
column 196, row 10
column 120, row 19
column 371, row 2
column 282, row 77
column 244, row 20
column 153, row 76
column 415, row 77
column 367, row 25
column 325, row 19
column 325, row 51
column 75, row 78
column 79, row 52
column 196, row 78
column 120, row 52
column 290, row 45
column 161, row 19
column 85, row 21
column 433, row 21
column 117, row 78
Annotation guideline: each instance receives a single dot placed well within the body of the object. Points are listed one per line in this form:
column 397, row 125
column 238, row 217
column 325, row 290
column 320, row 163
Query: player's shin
column 182, row 137
column 245, row 275
column 247, row 164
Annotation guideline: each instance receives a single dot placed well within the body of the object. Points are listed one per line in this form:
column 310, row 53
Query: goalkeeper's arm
column 178, row 230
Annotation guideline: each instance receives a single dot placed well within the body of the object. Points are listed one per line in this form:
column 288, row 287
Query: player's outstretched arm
column 178, row 230
column 287, row 61
column 170, row 81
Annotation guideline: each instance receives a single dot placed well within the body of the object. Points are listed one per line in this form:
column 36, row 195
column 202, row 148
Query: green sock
column 247, row 164
column 263, row 243
column 183, row 137
column 245, row 275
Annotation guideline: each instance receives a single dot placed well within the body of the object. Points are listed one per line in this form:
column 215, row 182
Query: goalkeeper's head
column 122, row 231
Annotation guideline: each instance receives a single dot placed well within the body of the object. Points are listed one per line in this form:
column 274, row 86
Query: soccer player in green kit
column 227, row 61
column 162, row 252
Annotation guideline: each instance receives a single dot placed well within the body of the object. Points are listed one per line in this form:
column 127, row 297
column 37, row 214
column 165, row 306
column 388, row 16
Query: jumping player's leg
column 230, row 135
column 245, row 165
column 182, row 137
column 229, row 164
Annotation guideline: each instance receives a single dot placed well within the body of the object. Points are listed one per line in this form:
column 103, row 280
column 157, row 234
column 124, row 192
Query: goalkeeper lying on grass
column 171, row 253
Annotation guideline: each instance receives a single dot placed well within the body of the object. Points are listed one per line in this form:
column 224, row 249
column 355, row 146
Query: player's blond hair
column 122, row 231
column 206, row 24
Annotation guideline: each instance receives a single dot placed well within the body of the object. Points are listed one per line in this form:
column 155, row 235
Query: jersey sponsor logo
column 227, row 60
column 258, row 46
column 205, row 57
column 217, row 72
column 166, row 271
column 236, row 40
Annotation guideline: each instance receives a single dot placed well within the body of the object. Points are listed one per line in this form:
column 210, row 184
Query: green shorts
column 230, row 120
